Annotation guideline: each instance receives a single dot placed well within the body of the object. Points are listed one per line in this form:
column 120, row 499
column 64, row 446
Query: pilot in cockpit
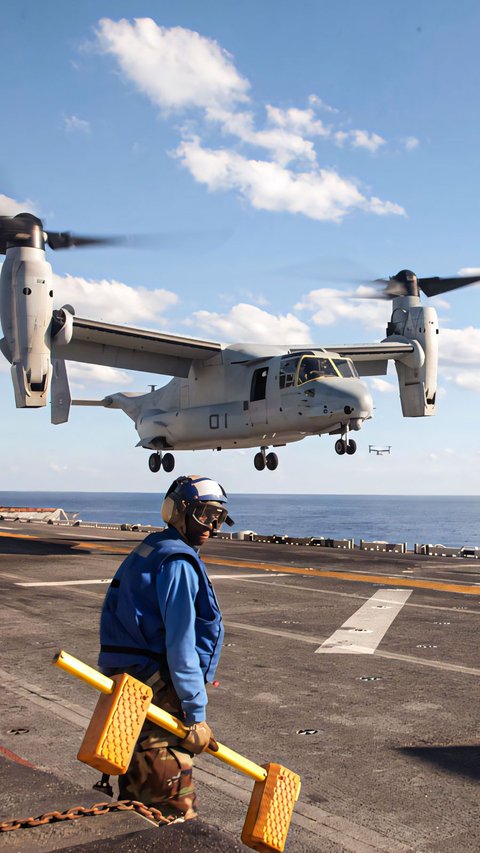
column 314, row 368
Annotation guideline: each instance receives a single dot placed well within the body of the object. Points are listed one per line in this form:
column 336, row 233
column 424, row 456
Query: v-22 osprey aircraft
column 222, row 396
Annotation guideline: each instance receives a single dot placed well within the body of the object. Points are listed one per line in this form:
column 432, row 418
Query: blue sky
column 280, row 150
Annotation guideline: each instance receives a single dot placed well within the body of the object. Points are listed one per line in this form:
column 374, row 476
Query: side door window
column 259, row 384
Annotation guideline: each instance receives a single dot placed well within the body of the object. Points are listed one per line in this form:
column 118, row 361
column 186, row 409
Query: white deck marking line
column 241, row 577
column 108, row 580
column 63, row 583
column 365, row 629
column 87, row 537
column 317, row 591
column 272, row 632
column 304, row 638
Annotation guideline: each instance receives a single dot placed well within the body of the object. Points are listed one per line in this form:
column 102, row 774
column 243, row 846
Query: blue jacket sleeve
column 177, row 587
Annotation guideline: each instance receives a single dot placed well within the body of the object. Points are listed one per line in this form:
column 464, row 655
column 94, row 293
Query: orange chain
column 80, row 811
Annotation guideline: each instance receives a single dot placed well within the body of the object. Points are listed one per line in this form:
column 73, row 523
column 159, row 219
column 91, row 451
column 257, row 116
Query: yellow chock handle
column 162, row 718
column 276, row 788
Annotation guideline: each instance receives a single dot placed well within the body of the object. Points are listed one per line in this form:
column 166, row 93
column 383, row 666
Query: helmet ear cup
column 170, row 511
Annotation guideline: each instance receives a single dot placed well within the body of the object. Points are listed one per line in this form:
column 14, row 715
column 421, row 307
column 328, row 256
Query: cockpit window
column 345, row 367
column 313, row 367
column 288, row 369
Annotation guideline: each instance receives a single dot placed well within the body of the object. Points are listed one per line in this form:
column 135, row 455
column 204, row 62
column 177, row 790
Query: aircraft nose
column 360, row 404
column 349, row 397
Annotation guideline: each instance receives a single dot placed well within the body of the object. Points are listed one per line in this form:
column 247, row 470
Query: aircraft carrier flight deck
column 358, row 670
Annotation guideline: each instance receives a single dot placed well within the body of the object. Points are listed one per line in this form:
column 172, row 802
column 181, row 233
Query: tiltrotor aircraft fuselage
column 221, row 396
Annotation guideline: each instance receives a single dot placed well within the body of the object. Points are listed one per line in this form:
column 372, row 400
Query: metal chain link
column 97, row 809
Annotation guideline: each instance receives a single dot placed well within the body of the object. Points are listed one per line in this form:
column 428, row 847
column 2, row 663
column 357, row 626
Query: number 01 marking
column 215, row 421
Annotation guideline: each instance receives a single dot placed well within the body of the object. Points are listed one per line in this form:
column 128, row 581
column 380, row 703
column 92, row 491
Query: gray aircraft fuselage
column 231, row 405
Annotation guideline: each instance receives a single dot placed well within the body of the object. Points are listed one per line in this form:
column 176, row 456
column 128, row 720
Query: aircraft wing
column 132, row 349
column 372, row 359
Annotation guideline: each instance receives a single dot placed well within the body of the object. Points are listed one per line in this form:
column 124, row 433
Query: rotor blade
column 389, row 288
column 67, row 240
column 436, row 285
column 27, row 229
column 381, row 288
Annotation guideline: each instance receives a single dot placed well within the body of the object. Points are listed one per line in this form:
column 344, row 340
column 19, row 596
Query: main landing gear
column 161, row 460
column 342, row 446
column 263, row 459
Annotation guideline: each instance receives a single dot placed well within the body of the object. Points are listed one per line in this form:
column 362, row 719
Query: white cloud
column 175, row 68
column 468, row 379
column 321, row 105
column 382, row 385
column 178, row 69
column 56, row 468
column 283, row 144
column 332, row 306
column 113, row 301
column 459, row 352
column 460, row 346
column 297, row 121
column 411, row 142
column 79, row 374
column 10, row 206
column 364, row 139
column 252, row 325
column 73, row 124
column 306, row 123
column 382, row 208
column 470, row 271
column 322, row 195
column 359, row 139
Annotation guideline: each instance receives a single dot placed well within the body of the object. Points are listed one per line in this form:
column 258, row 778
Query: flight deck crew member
column 162, row 624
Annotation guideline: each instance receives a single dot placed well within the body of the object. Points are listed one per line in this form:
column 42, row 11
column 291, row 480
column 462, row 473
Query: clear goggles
column 210, row 514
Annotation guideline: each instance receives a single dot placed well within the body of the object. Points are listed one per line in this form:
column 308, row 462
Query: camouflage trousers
column 160, row 772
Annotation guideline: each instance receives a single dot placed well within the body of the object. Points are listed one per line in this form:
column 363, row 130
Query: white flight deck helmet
column 200, row 497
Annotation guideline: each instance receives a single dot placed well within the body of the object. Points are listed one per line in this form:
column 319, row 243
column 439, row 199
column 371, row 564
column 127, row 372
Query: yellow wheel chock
column 110, row 739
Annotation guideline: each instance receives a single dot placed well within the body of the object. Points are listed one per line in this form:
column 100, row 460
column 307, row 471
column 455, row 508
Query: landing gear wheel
column 340, row 447
column 351, row 447
column 168, row 462
column 259, row 461
column 154, row 462
column 272, row 461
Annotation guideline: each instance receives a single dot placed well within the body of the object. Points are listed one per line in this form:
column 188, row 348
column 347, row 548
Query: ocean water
column 452, row 521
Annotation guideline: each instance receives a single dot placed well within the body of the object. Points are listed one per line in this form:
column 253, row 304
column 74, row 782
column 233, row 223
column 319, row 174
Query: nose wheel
column 262, row 460
column 161, row 460
column 342, row 446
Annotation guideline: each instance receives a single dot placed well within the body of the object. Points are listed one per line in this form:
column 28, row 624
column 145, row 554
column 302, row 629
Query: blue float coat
column 161, row 601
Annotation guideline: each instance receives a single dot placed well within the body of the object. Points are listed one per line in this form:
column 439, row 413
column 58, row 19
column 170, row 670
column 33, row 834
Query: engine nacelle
column 417, row 375
column 26, row 304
